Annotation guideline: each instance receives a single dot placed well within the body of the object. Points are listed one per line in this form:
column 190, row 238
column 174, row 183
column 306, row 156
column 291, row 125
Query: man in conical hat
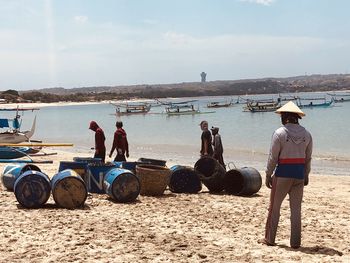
column 287, row 172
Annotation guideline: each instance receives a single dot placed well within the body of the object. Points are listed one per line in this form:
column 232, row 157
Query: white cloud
column 125, row 55
column 260, row 2
column 81, row 19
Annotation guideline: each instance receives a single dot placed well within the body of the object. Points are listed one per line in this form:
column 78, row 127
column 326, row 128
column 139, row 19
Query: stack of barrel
column 70, row 186
column 245, row 181
column 120, row 184
column 123, row 181
column 31, row 187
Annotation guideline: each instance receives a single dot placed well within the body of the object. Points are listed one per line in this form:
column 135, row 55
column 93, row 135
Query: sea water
column 246, row 136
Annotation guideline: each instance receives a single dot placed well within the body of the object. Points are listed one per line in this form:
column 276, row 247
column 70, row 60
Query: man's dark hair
column 119, row 124
column 289, row 117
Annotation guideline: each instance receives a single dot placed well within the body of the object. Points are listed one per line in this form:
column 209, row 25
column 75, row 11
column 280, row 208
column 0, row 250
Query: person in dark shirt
column 100, row 148
column 206, row 147
column 120, row 142
column 218, row 148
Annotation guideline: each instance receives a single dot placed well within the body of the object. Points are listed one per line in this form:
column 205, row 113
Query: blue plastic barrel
column 127, row 165
column 97, row 174
column 32, row 189
column 80, row 168
column 184, row 179
column 12, row 171
column 117, row 164
column 122, row 185
column 68, row 189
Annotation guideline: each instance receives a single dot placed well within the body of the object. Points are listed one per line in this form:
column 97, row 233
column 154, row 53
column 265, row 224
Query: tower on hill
column 203, row 77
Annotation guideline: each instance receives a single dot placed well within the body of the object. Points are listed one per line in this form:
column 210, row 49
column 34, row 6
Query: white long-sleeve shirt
column 290, row 152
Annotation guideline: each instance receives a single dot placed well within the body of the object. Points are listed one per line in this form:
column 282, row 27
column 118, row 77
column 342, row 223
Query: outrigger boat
column 10, row 153
column 13, row 133
column 262, row 106
column 127, row 109
column 217, row 104
column 337, row 97
column 181, row 109
column 7, row 152
column 186, row 109
column 312, row 104
column 287, row 97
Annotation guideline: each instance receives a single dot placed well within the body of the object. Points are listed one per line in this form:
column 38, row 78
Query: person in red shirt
column 120, row 142
column 100, row 148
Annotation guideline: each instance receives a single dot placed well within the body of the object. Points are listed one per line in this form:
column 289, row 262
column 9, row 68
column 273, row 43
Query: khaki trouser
column 280, row 188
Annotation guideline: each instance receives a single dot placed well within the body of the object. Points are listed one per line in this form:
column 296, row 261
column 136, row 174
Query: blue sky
column 76, row 43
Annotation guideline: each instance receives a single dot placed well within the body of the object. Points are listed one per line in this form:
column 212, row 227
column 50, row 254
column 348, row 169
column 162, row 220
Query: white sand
column 175, row 227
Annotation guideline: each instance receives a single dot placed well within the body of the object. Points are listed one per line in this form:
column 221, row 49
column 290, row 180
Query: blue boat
column 10, row 154
column 14, row 152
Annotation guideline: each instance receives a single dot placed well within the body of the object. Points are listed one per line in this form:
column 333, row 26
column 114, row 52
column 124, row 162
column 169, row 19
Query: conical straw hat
column 290, row 107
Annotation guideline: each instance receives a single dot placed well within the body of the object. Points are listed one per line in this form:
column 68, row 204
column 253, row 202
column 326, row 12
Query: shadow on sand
column 315, row 250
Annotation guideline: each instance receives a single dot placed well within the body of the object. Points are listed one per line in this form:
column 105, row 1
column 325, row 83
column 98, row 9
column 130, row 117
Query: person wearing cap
column 100, row 148
column 120, row 143
column 218, row 148
column 289, row 162
column 206, row 148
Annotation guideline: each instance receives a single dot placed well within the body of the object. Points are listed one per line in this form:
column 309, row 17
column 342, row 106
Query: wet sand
column 200, row 227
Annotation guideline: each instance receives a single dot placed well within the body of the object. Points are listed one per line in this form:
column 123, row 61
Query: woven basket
column 153, row 178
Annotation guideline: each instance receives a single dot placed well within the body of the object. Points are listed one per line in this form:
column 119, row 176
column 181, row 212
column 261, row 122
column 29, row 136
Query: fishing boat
column 128, row 109
column 12, row 134
column 314, row 102
column 217, row 104
column 287, row 97
column 24, row 153
column 181, row 109
column 186, row 109
column 338, row 97
column 16, row 152
column 171, row 103
column 262, row 106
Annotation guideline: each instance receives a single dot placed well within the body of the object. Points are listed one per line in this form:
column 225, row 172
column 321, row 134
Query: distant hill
column 223, row 87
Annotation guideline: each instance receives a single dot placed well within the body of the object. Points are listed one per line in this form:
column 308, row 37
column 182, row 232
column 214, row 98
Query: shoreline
column 64, row 103
column 174, row 156
column 53, row 104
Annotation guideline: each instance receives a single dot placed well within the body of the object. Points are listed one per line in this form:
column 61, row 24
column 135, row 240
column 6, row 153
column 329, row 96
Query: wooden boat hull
column 220, row 106
column 262, row 107
column 130, row 113
column 262, row 110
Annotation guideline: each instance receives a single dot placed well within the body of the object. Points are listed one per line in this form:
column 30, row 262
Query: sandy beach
column 200, row 227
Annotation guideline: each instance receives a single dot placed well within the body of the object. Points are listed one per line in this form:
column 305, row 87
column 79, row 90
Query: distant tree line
column 219, row 88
